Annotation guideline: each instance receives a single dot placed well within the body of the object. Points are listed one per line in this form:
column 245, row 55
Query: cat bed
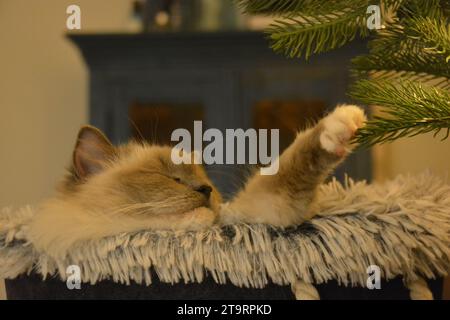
column 401, row 226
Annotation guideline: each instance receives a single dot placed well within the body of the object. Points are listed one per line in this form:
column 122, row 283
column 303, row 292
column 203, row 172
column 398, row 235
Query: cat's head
column 135, row 178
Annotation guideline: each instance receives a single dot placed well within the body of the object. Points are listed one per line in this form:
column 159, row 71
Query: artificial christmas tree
column 407, row 69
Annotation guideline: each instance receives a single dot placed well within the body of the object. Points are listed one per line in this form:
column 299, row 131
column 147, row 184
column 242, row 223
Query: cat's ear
column 92, row 151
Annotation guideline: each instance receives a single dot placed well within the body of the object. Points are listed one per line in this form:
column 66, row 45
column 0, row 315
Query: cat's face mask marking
column 135, row 178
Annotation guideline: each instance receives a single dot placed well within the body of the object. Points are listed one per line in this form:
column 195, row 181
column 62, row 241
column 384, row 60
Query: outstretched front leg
column 285, row 198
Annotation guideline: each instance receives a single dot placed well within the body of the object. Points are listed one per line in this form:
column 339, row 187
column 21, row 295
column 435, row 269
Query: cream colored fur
column 270, row 199
column 135, row 189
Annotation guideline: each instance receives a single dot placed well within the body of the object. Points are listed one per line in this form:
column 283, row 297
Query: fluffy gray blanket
column 402, row 226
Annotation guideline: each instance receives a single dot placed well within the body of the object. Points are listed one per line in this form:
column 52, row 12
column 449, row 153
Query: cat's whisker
column 137, row 129
column 144, row 207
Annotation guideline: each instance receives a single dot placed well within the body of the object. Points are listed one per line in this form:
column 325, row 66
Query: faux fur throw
column 402, row 226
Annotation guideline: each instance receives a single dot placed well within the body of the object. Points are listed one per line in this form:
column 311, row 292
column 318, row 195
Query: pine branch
column 409, row 109
column 415, row 45
column 421, row 8
column 305, row 35
column 290, row 8
column 434, row 34
column 420, row 56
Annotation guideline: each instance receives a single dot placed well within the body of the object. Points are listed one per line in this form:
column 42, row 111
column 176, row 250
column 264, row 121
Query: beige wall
column 43, row 90
column 412, row 155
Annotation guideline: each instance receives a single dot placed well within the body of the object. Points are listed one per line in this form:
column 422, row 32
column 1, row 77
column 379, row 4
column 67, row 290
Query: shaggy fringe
column 402, row 226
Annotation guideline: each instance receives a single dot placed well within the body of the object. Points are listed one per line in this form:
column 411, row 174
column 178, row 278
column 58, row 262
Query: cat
column 114, row 189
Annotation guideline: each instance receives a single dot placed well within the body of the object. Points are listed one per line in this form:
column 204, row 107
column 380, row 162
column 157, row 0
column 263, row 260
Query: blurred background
column 143, row 68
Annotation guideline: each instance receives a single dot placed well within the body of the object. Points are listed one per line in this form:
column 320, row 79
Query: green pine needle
column 419, row 50
column 412, row 49
column 289, row 8
column 409, row 109
column 305, row 35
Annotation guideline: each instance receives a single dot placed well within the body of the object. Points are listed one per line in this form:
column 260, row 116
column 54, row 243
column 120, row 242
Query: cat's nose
column 205, row 189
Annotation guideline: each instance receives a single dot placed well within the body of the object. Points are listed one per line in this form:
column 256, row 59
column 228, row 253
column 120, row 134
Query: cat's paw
column 202, row 218
column 339, row 127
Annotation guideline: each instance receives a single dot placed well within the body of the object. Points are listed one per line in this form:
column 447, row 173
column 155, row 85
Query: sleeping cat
column 114, row 189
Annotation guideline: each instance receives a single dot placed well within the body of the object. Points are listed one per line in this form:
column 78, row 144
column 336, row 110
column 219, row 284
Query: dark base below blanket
column 32, row 287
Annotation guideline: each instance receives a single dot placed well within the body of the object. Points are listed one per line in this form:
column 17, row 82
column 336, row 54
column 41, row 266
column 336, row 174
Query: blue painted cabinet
column 226, row 73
